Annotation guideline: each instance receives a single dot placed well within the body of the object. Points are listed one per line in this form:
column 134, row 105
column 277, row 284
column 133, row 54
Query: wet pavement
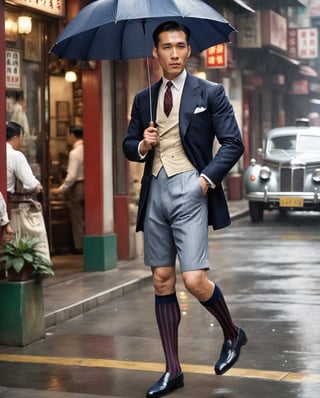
column 114, row 350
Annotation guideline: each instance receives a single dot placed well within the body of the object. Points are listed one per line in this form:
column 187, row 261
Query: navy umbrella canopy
column 122, row 29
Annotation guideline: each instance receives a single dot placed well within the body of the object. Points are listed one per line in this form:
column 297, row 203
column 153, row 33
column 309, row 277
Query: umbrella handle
column 151, row 124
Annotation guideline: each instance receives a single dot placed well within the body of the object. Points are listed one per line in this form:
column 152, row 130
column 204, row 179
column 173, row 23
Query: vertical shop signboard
column 13, row 69
column 216, row 56
column 303, row 43
column 308, row 43
column 293, row 42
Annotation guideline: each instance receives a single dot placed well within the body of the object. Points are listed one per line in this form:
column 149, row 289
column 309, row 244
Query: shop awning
column 303, row 2
column 285, row 58
column 243, row 5
column 284, row 3
column 236, row 5
column 306, row 70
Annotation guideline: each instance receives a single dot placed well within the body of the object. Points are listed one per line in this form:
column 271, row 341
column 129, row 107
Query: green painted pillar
column 21, row 312
column 100, row 252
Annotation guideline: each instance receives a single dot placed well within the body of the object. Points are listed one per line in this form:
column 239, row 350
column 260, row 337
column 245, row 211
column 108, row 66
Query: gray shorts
column 176, row 222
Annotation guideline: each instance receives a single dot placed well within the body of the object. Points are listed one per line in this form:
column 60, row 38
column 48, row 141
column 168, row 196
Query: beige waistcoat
column 169, row 152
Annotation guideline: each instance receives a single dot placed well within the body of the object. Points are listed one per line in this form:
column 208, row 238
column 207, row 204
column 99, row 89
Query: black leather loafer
column 230, row 353
column 164, row 386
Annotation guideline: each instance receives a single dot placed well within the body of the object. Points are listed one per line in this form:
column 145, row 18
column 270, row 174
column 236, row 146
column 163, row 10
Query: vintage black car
column 288, row 176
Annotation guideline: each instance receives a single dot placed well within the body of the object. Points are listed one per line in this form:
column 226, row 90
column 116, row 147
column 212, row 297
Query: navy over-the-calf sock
column 217, row 306
column 168, row 318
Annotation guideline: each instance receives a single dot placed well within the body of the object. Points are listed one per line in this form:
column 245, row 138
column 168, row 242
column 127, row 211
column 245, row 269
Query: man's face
column 72, row 138
column 172, row 53
column 16, row 141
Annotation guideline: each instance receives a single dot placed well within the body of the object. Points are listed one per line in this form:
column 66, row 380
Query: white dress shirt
column 19, row 168
column 75, row 166
column 177, row 85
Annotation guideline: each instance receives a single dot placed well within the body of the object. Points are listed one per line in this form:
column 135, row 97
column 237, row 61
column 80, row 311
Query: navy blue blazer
column 205, row 113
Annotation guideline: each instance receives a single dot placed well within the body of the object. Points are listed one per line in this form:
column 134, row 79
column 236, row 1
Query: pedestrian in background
column 22, row 185
column 18, row 168
column 74, row 184
column 181, row 193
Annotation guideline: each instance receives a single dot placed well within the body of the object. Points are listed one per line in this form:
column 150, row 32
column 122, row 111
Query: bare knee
column 164, row 280
column 198, row 284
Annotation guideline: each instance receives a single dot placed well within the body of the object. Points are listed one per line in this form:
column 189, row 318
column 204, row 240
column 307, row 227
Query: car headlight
column 316, row 175
column 265, row 173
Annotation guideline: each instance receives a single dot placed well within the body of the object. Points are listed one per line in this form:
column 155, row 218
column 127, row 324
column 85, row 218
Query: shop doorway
column 61, row 100
column 65, row 111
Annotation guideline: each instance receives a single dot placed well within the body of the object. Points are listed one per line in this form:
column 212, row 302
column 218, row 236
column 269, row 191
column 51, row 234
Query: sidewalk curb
column 97, row 300
column 239, row 214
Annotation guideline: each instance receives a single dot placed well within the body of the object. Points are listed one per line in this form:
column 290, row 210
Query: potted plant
column 22, row 260
column 22, row 309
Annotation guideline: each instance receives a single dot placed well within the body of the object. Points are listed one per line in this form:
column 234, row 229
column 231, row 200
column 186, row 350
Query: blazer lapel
column 188, row 103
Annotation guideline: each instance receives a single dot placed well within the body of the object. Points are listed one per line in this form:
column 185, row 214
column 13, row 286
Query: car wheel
column 256, row 211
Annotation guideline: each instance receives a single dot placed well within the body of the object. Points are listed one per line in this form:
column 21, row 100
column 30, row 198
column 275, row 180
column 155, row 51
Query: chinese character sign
column 293, row 42
column 216, row 56
column 307, row 43
column 13, row 69
column 53, row 7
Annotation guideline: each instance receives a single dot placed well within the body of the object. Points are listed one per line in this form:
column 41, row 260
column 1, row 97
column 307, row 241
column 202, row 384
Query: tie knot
column 169, row 84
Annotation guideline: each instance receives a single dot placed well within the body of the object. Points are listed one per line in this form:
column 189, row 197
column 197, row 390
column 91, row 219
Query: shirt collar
column 178, row 82
column 77, row 143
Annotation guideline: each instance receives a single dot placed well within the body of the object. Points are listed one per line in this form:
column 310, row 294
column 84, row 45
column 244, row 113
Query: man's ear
column 155, row 52
column 189, row 51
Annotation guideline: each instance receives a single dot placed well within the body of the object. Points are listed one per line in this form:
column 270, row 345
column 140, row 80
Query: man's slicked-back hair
column 168, row 26
column 13, row 129
column 77, row 131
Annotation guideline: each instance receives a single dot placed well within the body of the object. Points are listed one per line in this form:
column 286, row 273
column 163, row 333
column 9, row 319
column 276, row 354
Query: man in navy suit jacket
column 179, row 200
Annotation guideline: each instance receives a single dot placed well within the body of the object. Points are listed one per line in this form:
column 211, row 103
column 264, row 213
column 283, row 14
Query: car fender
column 253, row 182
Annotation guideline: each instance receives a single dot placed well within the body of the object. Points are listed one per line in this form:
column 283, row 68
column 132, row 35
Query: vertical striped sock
column 217, row 306
column 168, row 318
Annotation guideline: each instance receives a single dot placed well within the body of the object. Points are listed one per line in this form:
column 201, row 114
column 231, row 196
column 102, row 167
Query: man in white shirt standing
column 74, row 183
column 20, row 179
column 18, row 167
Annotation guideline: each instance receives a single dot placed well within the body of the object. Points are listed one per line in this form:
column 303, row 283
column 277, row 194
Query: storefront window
column 24, row 86
column 40, row 99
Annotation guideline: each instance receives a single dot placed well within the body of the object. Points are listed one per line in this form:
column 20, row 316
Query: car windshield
column 308, row 143
column 299, row 143
column 287, row 142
